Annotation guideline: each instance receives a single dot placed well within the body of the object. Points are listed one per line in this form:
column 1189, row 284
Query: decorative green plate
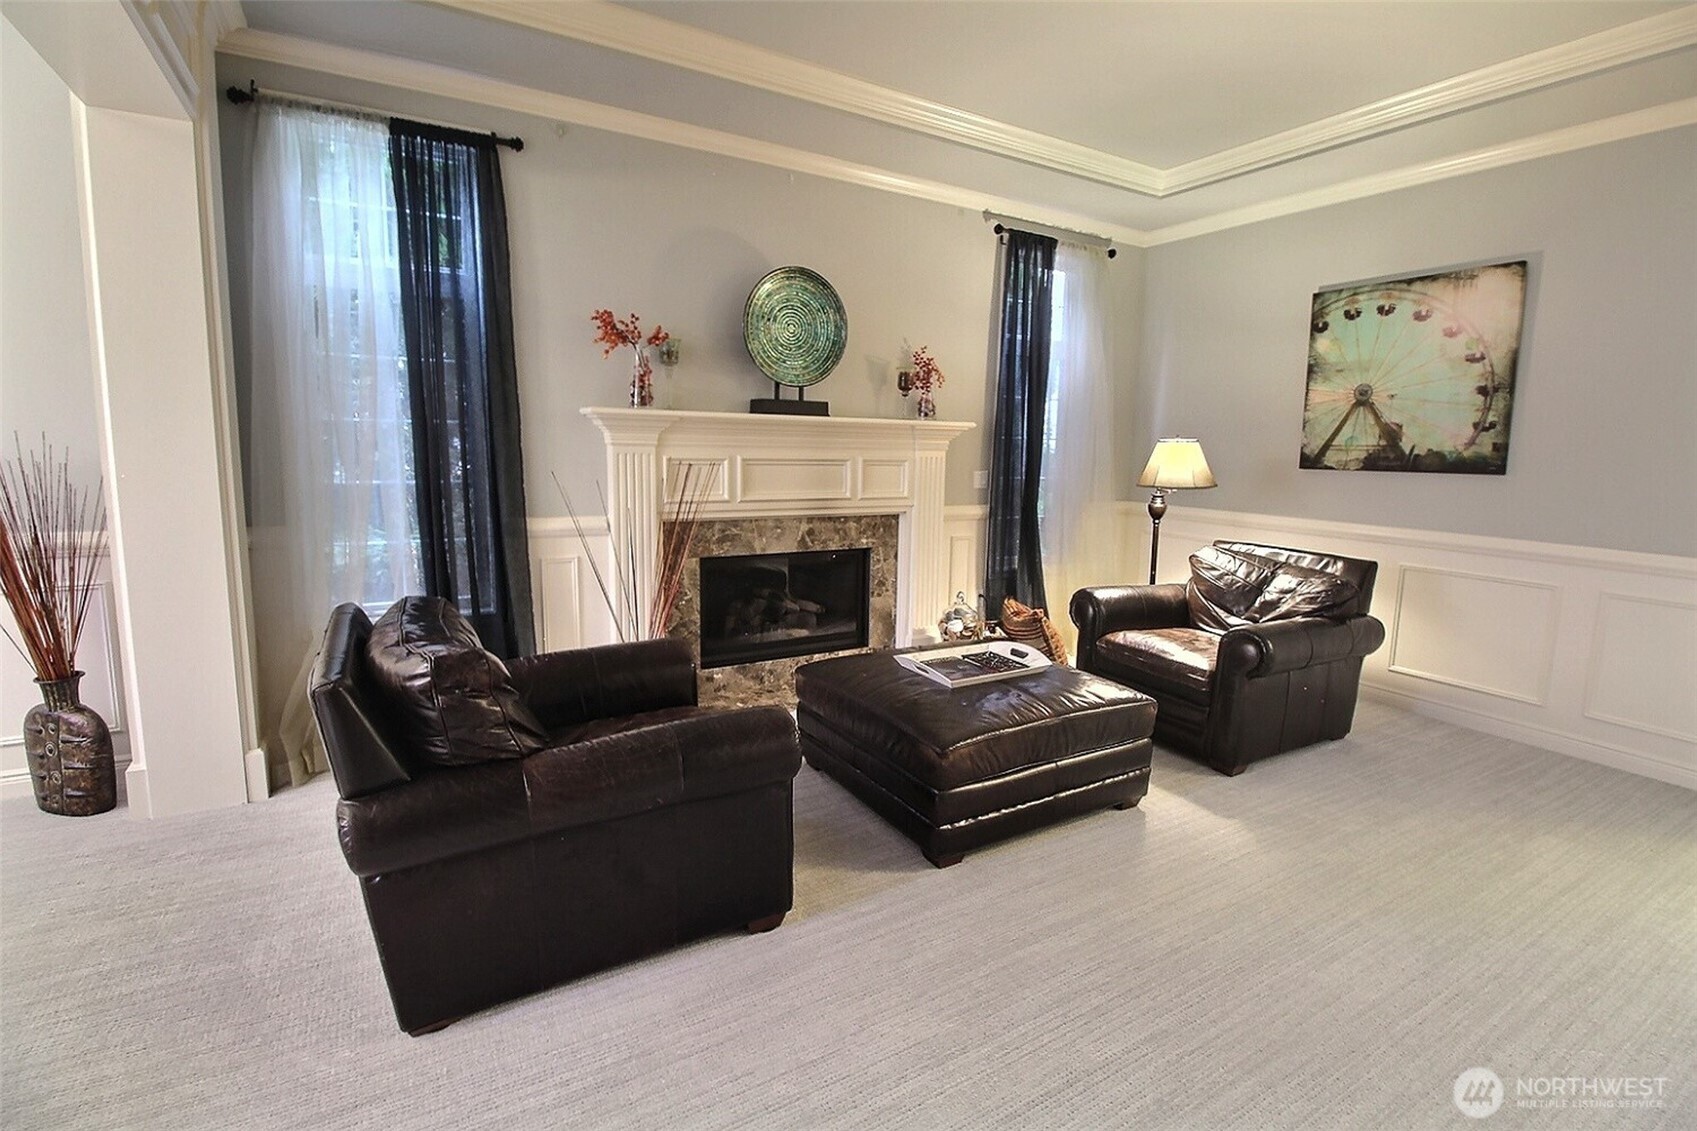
column 794, row 327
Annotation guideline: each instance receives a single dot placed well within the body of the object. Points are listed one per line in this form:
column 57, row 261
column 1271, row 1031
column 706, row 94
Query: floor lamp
column 1175, row 465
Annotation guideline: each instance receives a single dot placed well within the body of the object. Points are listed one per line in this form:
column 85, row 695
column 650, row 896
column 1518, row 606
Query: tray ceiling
column 1139, row 121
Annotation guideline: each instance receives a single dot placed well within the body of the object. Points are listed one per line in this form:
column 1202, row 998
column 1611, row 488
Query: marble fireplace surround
column 799, row 466
column 773, row 681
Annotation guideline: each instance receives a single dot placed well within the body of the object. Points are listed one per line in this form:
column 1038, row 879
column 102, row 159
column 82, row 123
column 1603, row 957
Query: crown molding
column 1629, row 43
column 666, row 41
column 678, row 45
column 224, row 17
column 1670, row 115
column 446, row 82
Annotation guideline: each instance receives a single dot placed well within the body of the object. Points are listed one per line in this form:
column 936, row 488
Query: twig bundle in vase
column 677, row 536
column 692, row 484
column 52, row 537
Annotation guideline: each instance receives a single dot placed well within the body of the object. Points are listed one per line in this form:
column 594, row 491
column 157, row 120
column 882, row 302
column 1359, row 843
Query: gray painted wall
column 1602, row 450
column 679, row 237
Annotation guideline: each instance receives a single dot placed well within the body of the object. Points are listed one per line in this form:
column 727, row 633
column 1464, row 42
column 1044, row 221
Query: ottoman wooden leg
column 1132, row 804
column 948, row 861
column 769, row 923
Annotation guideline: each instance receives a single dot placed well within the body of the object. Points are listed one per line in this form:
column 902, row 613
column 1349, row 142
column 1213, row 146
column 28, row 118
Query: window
column 328, row 347
column 1059, row 378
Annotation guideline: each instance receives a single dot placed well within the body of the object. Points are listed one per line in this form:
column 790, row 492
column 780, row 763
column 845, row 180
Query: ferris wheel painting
column 1415, row 374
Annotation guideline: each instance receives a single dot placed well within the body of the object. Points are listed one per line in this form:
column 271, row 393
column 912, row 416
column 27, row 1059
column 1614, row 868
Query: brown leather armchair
column 513, row 828
column 1233, row 688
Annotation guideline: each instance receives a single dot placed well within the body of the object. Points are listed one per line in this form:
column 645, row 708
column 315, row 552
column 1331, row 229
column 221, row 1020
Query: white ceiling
column 1142, row 121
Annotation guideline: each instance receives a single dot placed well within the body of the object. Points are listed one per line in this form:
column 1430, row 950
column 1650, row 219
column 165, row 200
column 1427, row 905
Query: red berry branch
column 927, row 374
column 611, row 333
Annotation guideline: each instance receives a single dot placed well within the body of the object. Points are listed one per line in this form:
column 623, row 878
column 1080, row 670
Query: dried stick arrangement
column 677, row 536
column 52, row 537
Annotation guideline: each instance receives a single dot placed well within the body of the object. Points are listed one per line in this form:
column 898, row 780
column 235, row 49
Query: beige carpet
column 1326, row 941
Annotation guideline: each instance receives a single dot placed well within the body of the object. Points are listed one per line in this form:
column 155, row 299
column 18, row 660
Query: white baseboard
column 1541, row 737
column 258, row 778
column 15, row 782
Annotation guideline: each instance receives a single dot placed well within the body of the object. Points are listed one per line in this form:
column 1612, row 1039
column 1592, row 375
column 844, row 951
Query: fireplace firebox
column 757, row 607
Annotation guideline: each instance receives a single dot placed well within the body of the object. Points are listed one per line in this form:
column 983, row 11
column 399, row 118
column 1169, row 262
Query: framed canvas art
column 1415, row 374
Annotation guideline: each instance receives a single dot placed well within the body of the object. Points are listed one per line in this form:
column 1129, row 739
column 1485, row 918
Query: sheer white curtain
column 329, row 448
column 1076, row 491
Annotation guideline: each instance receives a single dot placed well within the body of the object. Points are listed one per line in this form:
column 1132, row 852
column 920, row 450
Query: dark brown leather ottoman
column 955, row 769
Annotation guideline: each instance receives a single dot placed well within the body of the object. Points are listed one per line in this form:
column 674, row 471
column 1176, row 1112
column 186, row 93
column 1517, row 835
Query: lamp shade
column 1175, row 464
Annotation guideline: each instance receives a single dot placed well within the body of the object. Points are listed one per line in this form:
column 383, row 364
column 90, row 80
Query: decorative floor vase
column 70, row 752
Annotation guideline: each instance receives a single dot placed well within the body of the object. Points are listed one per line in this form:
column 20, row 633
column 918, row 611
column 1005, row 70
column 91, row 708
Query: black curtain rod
column 241, row 96
column 1001, row 229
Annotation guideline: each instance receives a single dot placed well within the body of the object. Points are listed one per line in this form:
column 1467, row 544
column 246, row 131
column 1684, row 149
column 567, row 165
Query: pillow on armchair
column 1297, row 591
column 454, row 702
column 1228, row 589
column 1223, row 586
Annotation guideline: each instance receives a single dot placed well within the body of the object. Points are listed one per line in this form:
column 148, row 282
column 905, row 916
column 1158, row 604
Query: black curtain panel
column 1014, row 556
column 456, row 292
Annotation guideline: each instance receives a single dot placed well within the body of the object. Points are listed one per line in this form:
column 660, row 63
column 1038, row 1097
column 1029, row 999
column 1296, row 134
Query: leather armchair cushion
column 618, row 724
column 453, row 703
column 1175, row 660
column 1232, row 588
column 1223, row 586
column 1297, row 591
column 1360, row 572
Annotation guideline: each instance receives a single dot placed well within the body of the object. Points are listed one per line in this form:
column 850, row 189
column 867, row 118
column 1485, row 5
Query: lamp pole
column 1157, row 509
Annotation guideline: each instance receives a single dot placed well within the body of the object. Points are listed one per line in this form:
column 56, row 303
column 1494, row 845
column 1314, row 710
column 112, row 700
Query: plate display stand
column 801, row 406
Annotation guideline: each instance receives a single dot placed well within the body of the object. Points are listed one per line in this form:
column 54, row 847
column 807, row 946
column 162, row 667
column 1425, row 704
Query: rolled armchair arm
column 563, row 688
column 468, row 808
column 1255, row 650
column 1114, row 608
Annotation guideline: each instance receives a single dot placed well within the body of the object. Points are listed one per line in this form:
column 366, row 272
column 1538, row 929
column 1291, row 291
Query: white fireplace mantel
column 777, row 465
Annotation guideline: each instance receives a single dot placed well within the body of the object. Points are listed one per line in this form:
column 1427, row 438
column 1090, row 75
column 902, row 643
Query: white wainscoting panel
column 554, row 584
column 1642, row 669
column 963, row 530
column 1586, row 651
column 1451, row 627
column 569, row 609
